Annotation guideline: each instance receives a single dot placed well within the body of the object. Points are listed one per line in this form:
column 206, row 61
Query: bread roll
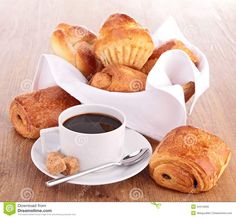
column 123, row 41
column 75, row 44
column 173, row 44
column 118, row 78
column 29, row 113
column 189, row 90
column 189, row 160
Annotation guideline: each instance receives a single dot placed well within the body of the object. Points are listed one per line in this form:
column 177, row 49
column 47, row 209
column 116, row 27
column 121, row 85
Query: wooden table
column 25, row 27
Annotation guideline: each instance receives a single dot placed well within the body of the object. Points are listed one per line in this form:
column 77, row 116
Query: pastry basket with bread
column 148, row 77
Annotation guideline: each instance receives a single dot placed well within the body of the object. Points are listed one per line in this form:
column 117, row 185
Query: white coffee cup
column 91, row 149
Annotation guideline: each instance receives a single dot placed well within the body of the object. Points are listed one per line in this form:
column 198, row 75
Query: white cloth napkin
column 153, row 112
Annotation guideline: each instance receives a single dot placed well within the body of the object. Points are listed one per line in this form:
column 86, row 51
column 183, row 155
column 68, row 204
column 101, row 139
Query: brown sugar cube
column 72, row 165
column 56, row 154
column 55, row 163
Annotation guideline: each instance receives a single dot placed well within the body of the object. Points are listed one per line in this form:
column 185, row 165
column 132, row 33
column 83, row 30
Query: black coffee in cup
column 92, row 123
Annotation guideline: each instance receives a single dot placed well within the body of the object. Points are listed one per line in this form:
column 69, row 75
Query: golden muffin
column 123, row 41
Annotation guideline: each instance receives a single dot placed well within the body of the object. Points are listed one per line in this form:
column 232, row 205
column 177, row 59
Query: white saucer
column 133, row 141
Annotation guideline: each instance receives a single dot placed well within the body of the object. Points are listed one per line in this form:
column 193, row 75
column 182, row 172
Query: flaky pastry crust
column 75, row 44
column 189, row 160
column 172, row 44
column 119, row 78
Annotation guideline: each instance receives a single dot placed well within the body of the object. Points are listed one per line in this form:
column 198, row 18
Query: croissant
column 123, row 41
column 173, row 44
column 75, row 44
column 119, row 78
column 189, row 160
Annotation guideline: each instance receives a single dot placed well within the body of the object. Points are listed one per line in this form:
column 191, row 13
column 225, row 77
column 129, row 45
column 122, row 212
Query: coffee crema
column 92, row 123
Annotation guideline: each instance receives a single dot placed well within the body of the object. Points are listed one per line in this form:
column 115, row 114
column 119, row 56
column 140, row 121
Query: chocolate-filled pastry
column 29, row 113
column 123, row 41
column 75, row 44
column 119, row 78
column 173, row 44
column 189, row 160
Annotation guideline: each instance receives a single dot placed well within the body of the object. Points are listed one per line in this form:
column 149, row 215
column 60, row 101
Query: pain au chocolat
column 189, row 160
column 123, row 41
column 119, row 78
column 31, row 112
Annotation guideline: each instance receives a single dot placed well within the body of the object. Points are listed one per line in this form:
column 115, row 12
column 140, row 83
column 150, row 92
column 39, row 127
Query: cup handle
column 49, row 141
